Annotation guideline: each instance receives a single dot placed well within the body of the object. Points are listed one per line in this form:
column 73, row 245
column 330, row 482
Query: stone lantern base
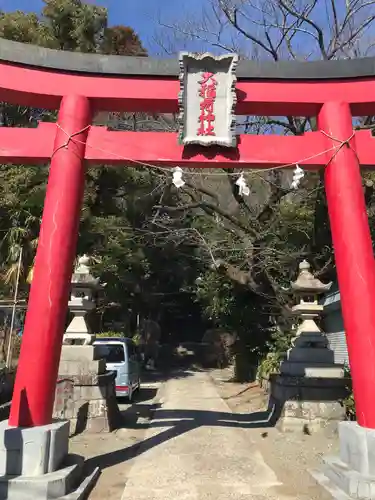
column 308, row 404
column 86, row 396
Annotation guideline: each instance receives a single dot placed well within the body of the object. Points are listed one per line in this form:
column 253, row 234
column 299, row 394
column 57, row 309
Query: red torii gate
column 79, row 85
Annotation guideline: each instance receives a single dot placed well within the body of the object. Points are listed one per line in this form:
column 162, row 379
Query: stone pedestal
column 353, row 472
column 90, row 402
column 34, row 462
column 310, row 356
column 308, row 404
column 309, row 387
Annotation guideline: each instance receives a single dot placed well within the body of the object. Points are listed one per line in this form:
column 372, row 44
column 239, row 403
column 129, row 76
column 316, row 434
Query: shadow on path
column 178, row 422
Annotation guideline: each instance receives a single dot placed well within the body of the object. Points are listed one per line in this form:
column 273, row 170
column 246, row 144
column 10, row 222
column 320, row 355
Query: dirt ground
column 115, row 452
column 290, row 455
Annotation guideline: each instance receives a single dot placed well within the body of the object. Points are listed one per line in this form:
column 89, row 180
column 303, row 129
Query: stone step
column 51, row 486
column 351, row 482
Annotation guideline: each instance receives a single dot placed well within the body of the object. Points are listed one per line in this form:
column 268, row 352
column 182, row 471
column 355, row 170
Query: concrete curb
column 84, row 488
column 328, row 485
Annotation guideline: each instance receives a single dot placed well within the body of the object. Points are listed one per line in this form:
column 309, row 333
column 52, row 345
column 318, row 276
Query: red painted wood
column 24, row 145
column 254, row 151
column 44, row 89
column 36, row 378
column 354, row 257
column 27, row 145
column 365, row 143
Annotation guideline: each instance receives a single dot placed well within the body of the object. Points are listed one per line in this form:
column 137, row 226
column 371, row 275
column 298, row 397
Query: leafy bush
column 269, row 365
column 110, row 334
column 348, row 402
column 279, row 343
column 136, row 336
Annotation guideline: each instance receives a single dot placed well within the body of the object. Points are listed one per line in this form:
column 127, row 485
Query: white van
column 122, row 357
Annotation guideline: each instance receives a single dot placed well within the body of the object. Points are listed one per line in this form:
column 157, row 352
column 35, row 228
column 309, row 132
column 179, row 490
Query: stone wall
column 85, row 393
column 88, row 408
column 64, row 399
column 91, row 408
column 333, row 325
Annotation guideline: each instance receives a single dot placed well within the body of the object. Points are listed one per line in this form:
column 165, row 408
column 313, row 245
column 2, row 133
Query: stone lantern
column 84, row 290
column 306, row 393
column 85, row 392
column 310, row 355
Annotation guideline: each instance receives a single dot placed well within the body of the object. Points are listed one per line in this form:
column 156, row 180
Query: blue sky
column 141, row 15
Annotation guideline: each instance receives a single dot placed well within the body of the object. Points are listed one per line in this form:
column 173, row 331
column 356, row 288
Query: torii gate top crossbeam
column 78, row 86
column 40, row 77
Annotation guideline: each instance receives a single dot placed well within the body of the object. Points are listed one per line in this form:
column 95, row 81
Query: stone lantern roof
column 306, row 283
column 82, row 274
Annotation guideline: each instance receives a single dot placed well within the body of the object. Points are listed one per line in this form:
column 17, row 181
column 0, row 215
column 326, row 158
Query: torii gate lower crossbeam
column 71, row 144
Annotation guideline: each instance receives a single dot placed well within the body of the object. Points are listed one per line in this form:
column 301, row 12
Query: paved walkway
column 197, row 449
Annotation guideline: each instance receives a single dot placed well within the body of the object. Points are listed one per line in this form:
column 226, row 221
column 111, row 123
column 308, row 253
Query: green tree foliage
column 145, row 269
column 22, row 193
column 75, row 25
column 71, row 25
column 26, row 28
column 258, row 242
column 122, row 41
column 152, row 242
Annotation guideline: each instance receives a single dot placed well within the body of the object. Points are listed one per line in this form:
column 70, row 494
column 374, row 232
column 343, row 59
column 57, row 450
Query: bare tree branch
column 214, row 208
column 232, row 18
column 304, row 17
column 274, row 228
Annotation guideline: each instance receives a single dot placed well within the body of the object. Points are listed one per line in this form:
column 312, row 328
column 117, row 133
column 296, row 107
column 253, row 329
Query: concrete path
column 197, row 449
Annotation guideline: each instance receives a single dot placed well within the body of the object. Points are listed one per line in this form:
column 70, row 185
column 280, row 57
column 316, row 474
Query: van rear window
column 112, row 353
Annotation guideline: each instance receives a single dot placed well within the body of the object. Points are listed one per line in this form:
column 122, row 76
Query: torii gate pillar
column 354, row 470
column 354, row 255
column 34, row 390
